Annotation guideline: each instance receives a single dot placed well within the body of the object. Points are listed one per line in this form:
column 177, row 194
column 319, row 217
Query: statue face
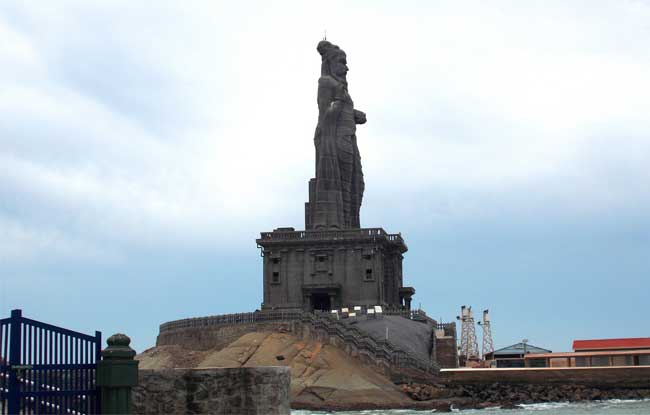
column 339, row 66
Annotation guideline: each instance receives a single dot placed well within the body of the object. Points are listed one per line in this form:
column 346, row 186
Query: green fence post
column 117, row 373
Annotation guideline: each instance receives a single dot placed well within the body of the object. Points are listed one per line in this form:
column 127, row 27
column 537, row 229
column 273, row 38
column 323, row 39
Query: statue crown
column 328, row 50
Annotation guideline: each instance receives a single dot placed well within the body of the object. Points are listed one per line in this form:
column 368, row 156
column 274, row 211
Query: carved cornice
column 310, row 237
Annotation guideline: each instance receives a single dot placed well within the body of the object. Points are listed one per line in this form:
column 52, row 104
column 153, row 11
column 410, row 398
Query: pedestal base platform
column 323, row 270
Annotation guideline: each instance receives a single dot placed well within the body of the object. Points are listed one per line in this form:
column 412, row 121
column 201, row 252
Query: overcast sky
column 144, row 146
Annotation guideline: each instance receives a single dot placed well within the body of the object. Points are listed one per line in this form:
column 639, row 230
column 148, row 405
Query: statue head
column 334, row 61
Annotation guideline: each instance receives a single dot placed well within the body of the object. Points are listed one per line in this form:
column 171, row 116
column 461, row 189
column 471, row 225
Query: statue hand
column 359, row 117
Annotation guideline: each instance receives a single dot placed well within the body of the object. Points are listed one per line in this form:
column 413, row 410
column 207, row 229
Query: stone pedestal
column 322, row 270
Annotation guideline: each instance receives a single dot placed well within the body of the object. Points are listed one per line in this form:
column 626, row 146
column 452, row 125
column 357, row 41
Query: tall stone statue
column 335, row 194
column 333, row 263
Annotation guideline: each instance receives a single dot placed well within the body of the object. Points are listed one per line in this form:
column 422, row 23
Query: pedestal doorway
column 320, row 302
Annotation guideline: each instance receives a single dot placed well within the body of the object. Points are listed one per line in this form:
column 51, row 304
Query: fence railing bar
column 57, row 329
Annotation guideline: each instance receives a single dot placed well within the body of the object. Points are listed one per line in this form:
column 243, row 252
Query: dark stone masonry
column 227, row 391
column 324, row 270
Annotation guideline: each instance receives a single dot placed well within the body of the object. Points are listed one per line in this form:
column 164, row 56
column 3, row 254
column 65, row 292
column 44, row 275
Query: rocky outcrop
column 509, row 395
column 515, row 394
column 321, row 375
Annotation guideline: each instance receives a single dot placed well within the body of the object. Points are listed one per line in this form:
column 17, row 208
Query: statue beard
column 340, row 78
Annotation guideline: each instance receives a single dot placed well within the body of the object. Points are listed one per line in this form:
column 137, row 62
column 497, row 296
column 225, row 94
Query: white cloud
column 17, row 55
column 25, row 243
column 133, row 124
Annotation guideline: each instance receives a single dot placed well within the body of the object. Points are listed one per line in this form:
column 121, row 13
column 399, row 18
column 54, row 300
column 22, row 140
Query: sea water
column 611, row 407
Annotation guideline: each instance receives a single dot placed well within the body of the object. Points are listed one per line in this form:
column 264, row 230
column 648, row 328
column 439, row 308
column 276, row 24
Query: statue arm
column 329, row 104
column 359, row 117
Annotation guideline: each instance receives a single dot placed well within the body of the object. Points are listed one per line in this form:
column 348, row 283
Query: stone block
column 236, row 391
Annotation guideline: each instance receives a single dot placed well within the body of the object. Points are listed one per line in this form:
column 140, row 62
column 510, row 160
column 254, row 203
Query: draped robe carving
column 336, row 192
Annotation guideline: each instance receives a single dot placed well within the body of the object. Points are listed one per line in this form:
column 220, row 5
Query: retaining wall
column 615, row 377
column 232, row 391
column 215, row 337
column 446, row 352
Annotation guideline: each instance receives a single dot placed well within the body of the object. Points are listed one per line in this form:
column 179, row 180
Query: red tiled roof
column 607, row 344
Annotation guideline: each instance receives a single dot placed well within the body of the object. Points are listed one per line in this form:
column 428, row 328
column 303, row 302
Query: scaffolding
column 468, row 349
column 488, row 344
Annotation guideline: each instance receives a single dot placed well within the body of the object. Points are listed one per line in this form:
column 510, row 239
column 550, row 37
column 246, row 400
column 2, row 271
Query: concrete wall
column 619, row 377
column 445, row 349
column 446, row 352
column 232, row 391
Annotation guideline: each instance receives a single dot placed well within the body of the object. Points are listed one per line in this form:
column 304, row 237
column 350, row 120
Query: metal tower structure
column 488, row 344
column 468, row 344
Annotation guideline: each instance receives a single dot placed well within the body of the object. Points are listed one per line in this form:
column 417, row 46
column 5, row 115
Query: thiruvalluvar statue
column 338, row 189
